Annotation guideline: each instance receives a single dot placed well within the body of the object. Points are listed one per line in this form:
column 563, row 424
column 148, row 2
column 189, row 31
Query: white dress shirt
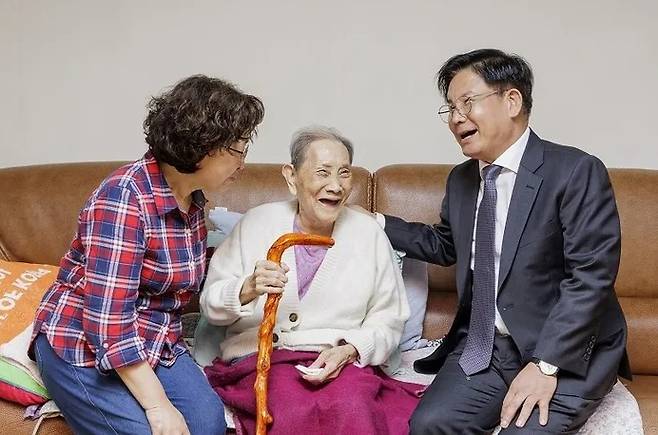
column 509, row 161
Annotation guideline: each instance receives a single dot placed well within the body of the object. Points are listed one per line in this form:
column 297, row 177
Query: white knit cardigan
column 357, row 294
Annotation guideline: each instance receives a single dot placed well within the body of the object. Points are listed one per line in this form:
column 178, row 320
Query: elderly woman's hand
column 332, row 361
column 268, row 277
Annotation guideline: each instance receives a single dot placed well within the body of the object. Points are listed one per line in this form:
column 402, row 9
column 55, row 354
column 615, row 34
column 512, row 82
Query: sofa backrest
column 40, row 207
column 40, row 204
column 414, row 192
column 636, row 192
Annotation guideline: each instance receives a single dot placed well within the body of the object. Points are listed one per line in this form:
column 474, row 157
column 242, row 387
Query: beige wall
column 75, row 75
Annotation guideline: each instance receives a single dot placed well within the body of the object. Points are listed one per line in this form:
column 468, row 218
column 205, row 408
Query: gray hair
column 307, row 135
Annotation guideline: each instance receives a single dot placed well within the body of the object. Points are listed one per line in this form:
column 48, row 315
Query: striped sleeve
column 112, row 234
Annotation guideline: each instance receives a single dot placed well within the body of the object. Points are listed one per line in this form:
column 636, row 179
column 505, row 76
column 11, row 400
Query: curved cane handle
column 263, row 417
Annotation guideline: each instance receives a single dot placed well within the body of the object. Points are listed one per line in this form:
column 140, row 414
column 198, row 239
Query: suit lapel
column 525, row 191
column 466, row 219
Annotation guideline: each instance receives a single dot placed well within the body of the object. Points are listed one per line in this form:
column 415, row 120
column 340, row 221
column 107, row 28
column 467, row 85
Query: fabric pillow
column 221, row 225
column 22, row 286
column 414, row 275
column 207, row 337
column 223, row 222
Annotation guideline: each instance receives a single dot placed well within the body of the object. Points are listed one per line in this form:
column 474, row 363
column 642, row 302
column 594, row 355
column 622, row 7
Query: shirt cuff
column 120, row 354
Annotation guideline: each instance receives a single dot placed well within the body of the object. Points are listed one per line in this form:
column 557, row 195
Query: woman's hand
column 162, row 416
column 332, row 361
column 165, row 419
column 268, row 277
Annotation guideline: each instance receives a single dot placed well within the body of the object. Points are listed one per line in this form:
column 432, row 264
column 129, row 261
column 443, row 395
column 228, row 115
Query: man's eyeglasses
column 463, row 107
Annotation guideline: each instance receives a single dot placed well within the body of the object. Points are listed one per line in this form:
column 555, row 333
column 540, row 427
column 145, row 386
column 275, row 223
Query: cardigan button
column 275, row 338
column 293, row 317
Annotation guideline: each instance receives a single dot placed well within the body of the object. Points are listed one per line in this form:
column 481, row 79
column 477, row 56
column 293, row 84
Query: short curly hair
column 197, row 116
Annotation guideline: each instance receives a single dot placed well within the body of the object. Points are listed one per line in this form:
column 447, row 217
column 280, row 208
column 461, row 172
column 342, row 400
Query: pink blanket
column 359, row 400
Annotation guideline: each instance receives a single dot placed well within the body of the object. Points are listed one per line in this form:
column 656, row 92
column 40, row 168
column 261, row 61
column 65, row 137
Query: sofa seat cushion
column 11, row 416
column 645, row 390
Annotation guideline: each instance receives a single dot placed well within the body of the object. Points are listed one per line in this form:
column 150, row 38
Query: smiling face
column 493, row 123
column 322, row 184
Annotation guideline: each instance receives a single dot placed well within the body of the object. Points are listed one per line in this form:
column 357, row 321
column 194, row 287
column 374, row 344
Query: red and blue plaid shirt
column 134, row 263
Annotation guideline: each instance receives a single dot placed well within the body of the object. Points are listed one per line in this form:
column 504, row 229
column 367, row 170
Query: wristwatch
column 546, row 368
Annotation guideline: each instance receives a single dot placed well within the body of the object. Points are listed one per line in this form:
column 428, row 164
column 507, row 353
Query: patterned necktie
column 479, row 342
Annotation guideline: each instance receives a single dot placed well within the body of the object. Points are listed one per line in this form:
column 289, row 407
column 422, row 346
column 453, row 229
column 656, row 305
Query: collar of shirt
column 511, row 158
column 164, row 198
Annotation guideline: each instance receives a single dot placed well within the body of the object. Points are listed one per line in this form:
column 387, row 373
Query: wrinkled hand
column 268, row 277
column 361, row 210
column 530, row 388
column 332, row 360
column 165, row 419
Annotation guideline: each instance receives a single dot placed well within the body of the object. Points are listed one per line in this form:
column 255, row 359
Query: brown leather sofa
column 39, row 207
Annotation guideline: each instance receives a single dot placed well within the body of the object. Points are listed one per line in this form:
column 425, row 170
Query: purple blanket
column 359, row 400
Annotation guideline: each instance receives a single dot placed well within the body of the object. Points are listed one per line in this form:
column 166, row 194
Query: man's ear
column 514, row 101
column 289, row 174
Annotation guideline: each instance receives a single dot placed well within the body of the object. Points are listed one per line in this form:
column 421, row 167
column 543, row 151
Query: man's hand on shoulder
column 530, row 388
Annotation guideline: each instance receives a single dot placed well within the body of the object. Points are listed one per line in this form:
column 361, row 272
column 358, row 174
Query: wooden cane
column 263, row 417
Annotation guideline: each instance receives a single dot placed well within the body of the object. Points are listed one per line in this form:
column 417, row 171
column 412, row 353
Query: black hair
column 498, row 69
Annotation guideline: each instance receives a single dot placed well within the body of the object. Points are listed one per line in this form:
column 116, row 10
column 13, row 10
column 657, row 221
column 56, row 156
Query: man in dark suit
column 539, row 335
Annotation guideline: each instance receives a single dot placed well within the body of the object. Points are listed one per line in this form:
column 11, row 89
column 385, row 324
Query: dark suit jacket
column 558, row 264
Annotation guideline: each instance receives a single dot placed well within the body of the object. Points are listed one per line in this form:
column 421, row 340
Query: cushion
column 14, row 422
column 222, row 223
column 22, row 286
column 414, row 274
column 206, row 336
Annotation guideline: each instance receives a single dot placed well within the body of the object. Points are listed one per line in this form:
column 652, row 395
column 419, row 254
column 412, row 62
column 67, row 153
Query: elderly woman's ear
column 290, row 175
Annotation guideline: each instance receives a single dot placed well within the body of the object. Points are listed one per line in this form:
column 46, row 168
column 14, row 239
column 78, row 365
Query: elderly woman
column 342, row 310
column 107, row 336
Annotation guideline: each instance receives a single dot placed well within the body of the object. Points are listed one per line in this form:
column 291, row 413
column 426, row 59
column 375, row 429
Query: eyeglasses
column 242, row 153
column 463, row 107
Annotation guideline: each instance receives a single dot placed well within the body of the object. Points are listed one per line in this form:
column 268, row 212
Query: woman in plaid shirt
column 107, row 336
